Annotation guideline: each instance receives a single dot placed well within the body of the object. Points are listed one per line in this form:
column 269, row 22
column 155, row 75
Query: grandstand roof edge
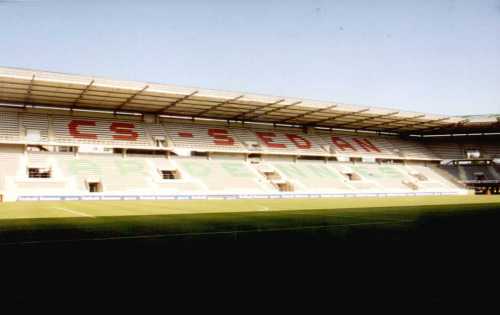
column 44, row 88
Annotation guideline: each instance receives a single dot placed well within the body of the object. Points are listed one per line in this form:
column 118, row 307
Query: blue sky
column 439, row 57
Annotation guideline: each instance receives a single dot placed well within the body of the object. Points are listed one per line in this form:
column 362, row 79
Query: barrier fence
column 222, row 196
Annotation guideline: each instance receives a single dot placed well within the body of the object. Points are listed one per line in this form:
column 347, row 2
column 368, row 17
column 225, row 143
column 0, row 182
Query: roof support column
column 151, row 118
column 309, row 130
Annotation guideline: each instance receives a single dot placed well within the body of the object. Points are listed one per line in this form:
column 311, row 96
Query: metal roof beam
column 30, row 88
column 131, row 98
column 307, row 113
column 435, row 128
column 63, row 108
column 339, row 116
column 368, row 118
column 455, row 125
column 253, row 110
column 219, row 105
column 185, row 97
column 275, row 109
column 395, row 121
column 83, row 93
column 419, row 123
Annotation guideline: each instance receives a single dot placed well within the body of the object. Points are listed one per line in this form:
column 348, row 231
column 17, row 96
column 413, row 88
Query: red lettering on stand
column 221, row 136
column 75, row 133
column 342, row 144
column 185, row 134
column 299, row 142
column 124, row 130
column 366, row 145
column 267, row 138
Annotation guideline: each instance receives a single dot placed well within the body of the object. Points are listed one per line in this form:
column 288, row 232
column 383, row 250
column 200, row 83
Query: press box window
column 34, row 172
column 170, row 174
column 473, row 153
column 95, row 187
column 33, row 135
column 160, row 141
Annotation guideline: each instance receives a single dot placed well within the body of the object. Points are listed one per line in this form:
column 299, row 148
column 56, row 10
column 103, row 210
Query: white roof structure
column 21, row 87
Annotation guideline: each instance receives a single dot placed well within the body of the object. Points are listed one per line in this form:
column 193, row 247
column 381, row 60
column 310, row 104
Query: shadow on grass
column 424, row 224
column 361, row 251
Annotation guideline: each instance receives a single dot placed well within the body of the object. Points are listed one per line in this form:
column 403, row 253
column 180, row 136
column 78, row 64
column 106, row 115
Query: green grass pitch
column 143, row 248
column 94, row 209
column 51, row 222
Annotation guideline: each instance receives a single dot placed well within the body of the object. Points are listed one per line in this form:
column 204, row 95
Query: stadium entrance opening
column 285, row 186
column 170, row 174
column 39, row 172
column 473, row 153
column 95, row 187
column 479, row 176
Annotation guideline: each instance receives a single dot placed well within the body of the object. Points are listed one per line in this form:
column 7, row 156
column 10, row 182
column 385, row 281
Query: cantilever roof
column 31, row 87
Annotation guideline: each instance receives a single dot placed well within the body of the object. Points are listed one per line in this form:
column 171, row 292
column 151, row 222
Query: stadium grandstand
column 72, row 137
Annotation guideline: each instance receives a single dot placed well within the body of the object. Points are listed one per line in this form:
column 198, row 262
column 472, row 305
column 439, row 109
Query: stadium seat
column 81, row 130
column 224, row 176
column 294, row 161
column 9, row 126
column 203, row 137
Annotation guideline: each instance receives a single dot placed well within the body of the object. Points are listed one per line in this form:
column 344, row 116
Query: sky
column 440, row 57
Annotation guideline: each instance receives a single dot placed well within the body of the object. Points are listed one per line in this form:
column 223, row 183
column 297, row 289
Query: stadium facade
column 71, row 137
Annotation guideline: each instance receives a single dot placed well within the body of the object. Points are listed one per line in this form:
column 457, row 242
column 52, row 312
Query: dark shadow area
column 428, row 256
